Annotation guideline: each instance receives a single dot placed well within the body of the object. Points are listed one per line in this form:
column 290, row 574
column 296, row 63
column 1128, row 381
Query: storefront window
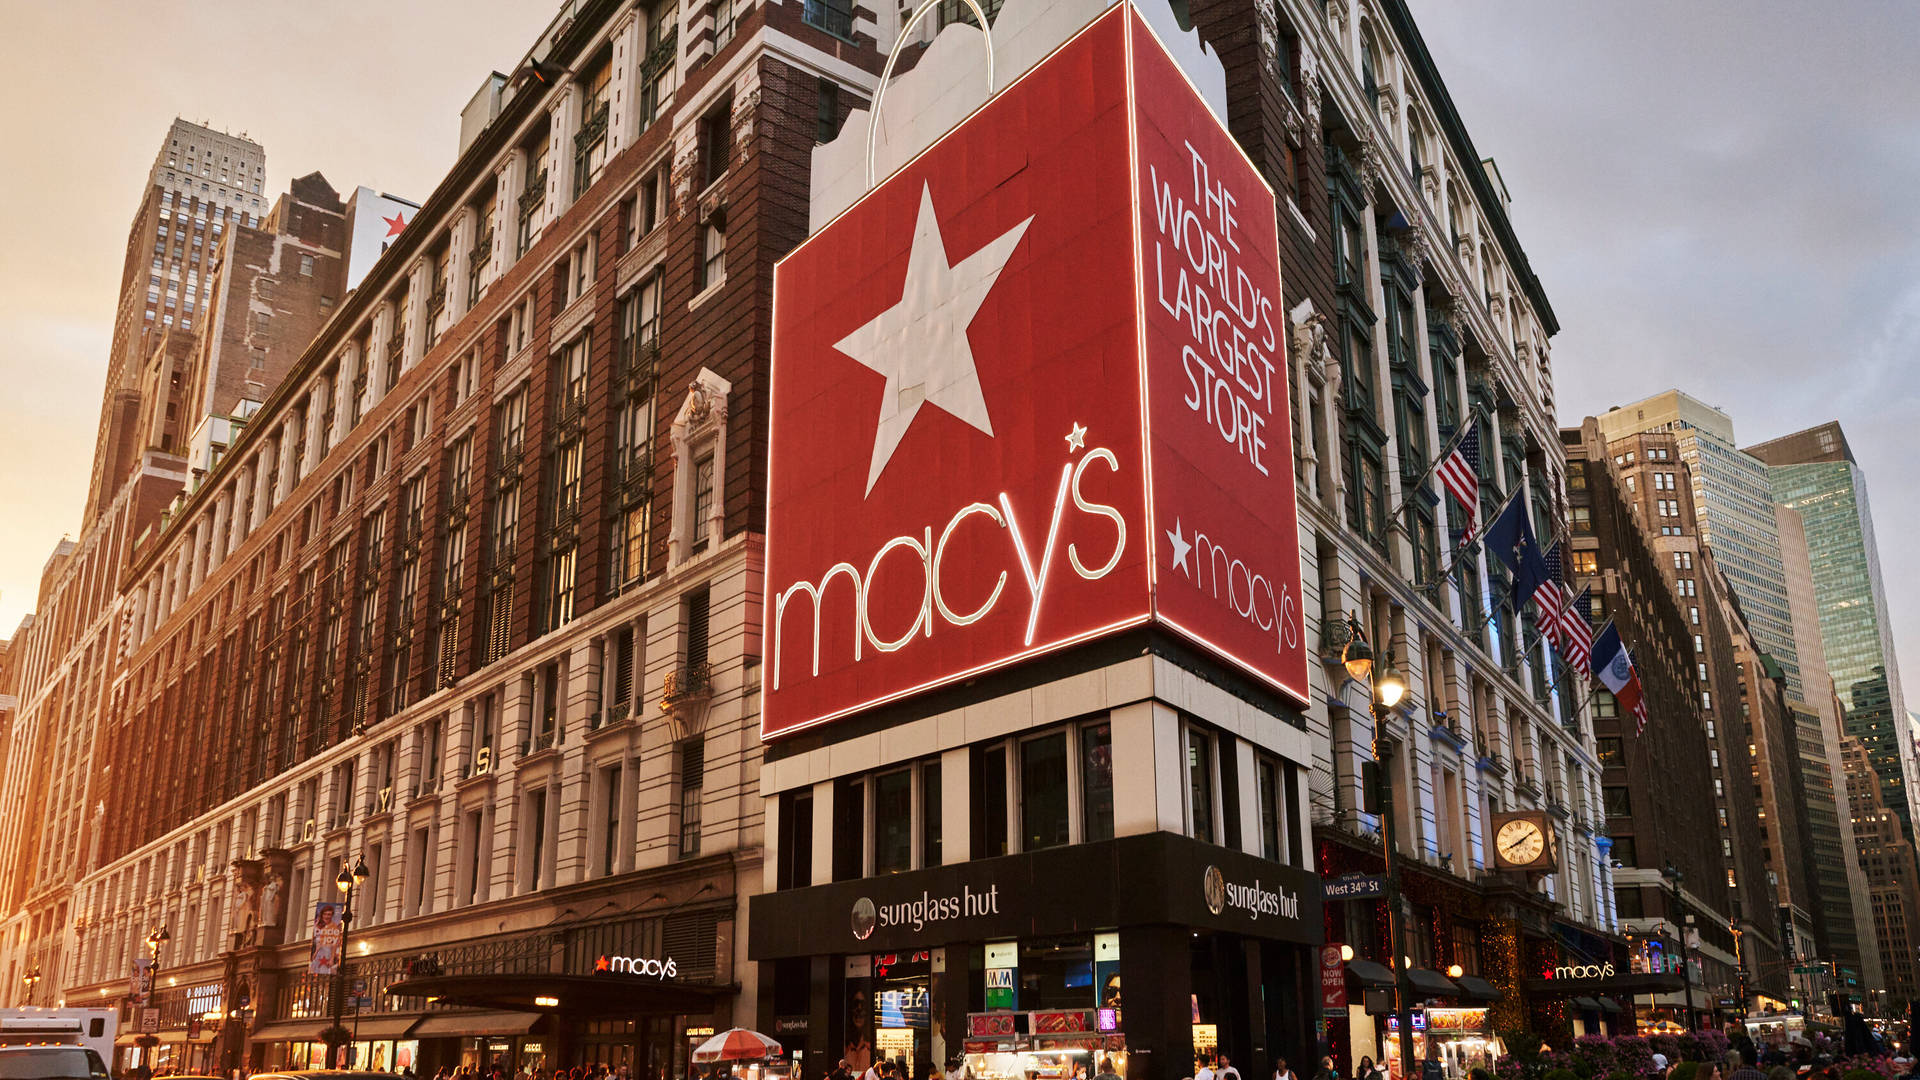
column 1096, row 782
column 1057, row 974
column 893, row 822
column 1043, row 792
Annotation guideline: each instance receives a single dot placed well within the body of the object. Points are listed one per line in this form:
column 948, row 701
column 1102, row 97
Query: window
column 795, row 865
column 580, row 271
column 1693, row 615
column 1267, row 781
column 849, row 821
column 713, row 254
column 1586, row 563
column 1612, row 752
column 537, row 826
column 702, row 500
column 931, row 824
column 716, row 142
column 1582, row 521
column 1043, row 792
column 1200, row 784
column 826, row 122
column 1706, row 700
column 1624, row 853
column 1096, row 782
column 610, row 819
column 693, row 772
column 833, row 16
column 1617, row 801
column 306, row 265
column 893, row 821
column 1604, row 705
column 990, row 808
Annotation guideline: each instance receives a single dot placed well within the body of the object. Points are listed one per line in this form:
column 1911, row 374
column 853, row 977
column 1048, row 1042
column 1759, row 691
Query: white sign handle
column 893, row 56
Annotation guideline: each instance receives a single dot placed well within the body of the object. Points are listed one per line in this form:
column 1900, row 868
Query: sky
column 1724, row 198
column 1718, row 196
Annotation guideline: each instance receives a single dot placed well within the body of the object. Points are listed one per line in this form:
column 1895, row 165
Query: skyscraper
column 1814, row 472
column 201, row 181
column 1761, row 552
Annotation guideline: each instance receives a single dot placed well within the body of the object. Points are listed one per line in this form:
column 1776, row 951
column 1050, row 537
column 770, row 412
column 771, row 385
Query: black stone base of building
column 1137, row 953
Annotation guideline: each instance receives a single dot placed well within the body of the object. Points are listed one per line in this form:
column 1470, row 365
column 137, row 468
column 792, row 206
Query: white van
column 56, row 1044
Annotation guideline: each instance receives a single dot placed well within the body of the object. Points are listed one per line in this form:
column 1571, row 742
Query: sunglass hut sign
column 1031, row 391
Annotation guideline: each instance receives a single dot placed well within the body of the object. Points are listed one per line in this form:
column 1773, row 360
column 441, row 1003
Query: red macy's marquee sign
column 1030, row 391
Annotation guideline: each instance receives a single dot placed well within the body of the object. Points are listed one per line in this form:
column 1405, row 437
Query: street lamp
column 347, row 882
column 32, row 979
column 1674, row 878
column 1385, row 689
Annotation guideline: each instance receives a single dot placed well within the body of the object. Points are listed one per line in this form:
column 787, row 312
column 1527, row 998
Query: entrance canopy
column 576, row 995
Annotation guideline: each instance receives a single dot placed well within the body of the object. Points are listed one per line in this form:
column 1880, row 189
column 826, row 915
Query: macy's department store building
column 1035, row 771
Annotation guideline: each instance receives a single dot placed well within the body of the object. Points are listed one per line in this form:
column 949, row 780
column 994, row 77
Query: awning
column 307, row 1030
column 1432, row 983
column 576, row 995
column 477, row 1023
column 1609, row 1005
column 1370, row 974
column 1475, row 988
column 1586, row 1004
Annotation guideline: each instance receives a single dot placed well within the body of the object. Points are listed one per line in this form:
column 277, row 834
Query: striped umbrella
column 736, row 1044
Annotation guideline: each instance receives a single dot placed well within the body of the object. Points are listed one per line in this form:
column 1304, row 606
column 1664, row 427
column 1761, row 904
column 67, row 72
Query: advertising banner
column 329, row 937
column 1029, row 392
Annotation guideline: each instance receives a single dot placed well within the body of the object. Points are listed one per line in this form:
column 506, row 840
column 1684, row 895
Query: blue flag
column 1508, row 535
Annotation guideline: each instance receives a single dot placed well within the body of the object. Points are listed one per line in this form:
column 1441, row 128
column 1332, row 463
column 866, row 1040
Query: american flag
column 1547, row 596
column 1460, row 473
column 1576, row 631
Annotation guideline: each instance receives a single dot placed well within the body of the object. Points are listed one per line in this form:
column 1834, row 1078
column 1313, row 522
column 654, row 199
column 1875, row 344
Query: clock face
column 1519, row 842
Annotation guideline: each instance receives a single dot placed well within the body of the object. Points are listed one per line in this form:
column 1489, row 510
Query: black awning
column 578, row 995
column 1609, row 1005
column 1475, row 988
column 1370, row 974
column 1432, row 983
column 1586, row 1004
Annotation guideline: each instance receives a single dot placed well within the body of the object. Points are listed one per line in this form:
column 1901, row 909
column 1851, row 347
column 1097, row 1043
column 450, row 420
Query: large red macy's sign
column 1031, row 391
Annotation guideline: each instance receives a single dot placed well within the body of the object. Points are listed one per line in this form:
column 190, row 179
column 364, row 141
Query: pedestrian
column 1224, row 1070
column 1104, row 1068
column 1362, row 1071
column 1280, row 1070
column 1327, row 1071
column 1203, row 1071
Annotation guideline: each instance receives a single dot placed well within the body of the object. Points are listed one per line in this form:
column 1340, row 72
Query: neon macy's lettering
column 932, row 555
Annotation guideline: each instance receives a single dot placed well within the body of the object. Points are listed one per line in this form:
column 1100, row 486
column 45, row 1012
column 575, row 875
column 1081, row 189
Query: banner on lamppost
column 141, row 989
column 329, row 937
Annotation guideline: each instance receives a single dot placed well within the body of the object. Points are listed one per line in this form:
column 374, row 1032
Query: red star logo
column 602, row 965
column 395, row 223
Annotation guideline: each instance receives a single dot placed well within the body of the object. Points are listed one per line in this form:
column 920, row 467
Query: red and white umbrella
column 736, row 1044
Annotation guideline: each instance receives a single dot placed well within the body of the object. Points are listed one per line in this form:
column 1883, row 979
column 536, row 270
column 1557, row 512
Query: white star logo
column 1077, row 438
column 1177, row 537
column 920, row 344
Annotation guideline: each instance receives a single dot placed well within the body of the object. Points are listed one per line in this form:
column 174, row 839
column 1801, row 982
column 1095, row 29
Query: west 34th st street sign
column 1031, row 391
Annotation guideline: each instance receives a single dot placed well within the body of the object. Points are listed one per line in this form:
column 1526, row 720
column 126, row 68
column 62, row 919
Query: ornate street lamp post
column 347, row 882
column 1385, row 689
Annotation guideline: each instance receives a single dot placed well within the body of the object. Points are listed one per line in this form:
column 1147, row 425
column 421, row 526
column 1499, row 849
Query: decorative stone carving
column 1337, row 19
column 1370, row 165
column 1454, row 311
column 1310, row 89
column 746, row 106
column 1309, row 343
column 1418, row 250
column 1463, row 247
column 685, row 162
